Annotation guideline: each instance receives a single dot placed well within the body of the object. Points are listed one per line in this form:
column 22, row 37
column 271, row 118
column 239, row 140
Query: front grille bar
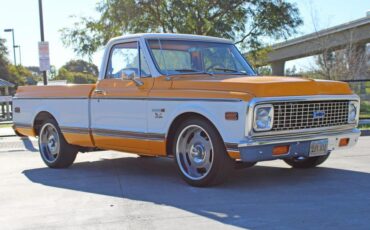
column 309, row 115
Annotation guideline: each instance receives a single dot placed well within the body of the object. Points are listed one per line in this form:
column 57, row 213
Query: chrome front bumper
column 260, row 149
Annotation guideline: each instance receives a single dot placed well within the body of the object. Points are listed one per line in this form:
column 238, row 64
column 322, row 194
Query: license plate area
column 319, row 148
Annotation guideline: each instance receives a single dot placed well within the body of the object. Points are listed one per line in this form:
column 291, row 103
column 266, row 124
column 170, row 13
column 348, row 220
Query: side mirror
column 131, row 75
column 128, row 75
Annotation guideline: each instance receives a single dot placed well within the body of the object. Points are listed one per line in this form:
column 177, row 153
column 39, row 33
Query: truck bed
column 57, row 91
column 68, row 104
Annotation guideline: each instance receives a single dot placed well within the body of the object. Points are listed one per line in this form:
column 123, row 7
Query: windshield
column 191, row 57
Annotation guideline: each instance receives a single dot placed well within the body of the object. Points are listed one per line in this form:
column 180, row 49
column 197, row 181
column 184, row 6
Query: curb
column 12, row 150
column 12, row 135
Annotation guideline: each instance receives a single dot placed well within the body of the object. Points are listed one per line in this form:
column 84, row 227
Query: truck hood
column 262, row 86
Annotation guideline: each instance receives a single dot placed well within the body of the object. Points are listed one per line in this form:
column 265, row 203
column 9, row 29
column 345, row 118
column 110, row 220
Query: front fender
column 230, row 131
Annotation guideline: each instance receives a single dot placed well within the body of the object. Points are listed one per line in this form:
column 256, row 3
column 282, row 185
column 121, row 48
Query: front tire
column 200, row 153
column 306, row 162
column 54, row 149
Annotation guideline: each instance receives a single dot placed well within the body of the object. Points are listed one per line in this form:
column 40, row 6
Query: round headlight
column 352, row 112
column 263, row 118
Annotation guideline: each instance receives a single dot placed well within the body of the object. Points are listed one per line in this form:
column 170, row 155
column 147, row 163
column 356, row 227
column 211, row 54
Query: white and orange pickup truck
column 193, row 98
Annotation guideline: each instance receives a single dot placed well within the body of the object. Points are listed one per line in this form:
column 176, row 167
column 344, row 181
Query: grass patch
column 5, row 125
column 364, row 127
column 365, row 109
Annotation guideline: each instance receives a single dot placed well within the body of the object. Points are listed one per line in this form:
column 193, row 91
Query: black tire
column 63, row 154
column 244, row 165
column 221, row 164
column 304, row 163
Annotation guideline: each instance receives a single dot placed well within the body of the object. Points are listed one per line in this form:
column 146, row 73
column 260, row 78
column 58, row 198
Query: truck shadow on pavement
column 28, row 144
column 259, row 197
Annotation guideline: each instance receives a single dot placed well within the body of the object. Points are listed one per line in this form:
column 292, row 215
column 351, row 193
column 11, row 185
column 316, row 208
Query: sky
column 22, row 15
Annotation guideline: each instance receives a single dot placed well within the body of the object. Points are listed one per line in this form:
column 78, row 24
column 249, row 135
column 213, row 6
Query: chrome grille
column 304, row 115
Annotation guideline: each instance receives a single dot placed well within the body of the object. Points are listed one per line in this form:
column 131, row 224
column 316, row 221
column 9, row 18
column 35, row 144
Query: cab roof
column 174, row 36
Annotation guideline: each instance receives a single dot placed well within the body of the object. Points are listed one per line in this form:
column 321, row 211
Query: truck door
column 118, row 104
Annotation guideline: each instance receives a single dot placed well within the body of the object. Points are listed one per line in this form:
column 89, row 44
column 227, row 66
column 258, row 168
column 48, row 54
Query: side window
column 145, row 72
column 124, row 61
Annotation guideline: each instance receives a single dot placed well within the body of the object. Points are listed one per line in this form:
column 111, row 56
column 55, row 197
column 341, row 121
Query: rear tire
column 304, row 162
column 200, row 153
column 54, row 149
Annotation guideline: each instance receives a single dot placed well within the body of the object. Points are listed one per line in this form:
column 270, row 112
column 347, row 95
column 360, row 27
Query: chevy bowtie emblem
column 318, row 114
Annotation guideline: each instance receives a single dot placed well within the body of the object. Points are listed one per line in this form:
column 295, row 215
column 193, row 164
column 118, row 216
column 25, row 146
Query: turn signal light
column 231, row 116
column 280, row 150
column 343, row 142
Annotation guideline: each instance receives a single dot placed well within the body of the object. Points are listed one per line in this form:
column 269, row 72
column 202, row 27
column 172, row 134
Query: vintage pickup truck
column 194, row 98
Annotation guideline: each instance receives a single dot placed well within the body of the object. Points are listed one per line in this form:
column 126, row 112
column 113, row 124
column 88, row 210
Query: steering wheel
column 215, row 65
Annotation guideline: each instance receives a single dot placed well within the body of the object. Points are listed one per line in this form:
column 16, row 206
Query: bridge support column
column 278, row 68
column 359, row 61
column 358, row 64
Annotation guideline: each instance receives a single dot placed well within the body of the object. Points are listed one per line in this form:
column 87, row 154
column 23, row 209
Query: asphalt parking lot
column 111, row 190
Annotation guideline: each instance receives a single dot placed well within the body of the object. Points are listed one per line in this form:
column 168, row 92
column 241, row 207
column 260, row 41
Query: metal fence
column 362, row 89
column 5, row 108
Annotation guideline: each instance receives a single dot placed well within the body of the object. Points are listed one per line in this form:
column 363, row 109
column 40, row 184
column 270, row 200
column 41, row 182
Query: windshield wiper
column 229, row 70
column 193, row 71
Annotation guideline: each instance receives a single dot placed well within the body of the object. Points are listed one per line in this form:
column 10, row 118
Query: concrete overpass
column 355, row 33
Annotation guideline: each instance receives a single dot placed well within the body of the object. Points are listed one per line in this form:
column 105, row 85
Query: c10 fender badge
column 318, row 114
column 158, row 113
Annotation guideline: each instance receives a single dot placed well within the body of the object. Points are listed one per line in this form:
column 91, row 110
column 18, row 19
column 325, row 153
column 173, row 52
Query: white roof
column 174, row 36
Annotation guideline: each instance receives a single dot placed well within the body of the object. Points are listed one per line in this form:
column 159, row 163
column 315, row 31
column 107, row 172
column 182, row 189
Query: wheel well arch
column 39, row 119
column 176, row 122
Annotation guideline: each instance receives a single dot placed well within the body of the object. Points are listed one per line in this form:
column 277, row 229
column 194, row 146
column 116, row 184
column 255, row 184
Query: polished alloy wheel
column 49, row 142
column 194, row 152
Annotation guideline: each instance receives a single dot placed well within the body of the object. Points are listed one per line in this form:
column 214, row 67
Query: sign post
column 44, row 58
column 45, row 77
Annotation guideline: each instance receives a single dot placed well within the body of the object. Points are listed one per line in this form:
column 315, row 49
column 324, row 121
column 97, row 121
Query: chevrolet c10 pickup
column 193, row 98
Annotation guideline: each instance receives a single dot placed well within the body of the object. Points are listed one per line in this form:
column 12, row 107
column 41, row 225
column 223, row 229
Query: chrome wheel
column 49, row 142
column 194, row 152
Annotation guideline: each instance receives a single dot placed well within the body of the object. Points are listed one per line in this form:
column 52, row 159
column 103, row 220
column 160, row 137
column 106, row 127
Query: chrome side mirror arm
column 132, row 77
column 137, row 81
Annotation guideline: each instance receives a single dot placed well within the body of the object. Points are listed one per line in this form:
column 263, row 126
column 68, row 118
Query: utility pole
column 42, row 36
column 19, row 54
column 12, row 30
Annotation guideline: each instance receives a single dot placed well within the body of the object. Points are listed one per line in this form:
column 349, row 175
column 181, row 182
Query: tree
column 78, row 72
column 81, row 66
column 292, row 71
column 9, row 72
column 35, row 70
column 244, row 21
column 20, row 75
column 258, row 57
column 75, row 77
column 3, row 60
column 346, row 64
column 264, row 70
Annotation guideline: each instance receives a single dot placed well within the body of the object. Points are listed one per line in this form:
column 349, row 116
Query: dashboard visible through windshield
column 174, row 57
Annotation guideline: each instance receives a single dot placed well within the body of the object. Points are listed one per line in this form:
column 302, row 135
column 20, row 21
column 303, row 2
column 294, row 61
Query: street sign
column 44, row 58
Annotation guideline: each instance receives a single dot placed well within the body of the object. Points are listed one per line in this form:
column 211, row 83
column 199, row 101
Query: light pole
column 12, row 30
column 42, row 37
column 20, row 54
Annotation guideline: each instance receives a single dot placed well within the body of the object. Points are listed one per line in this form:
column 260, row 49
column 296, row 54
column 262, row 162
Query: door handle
column 99, row 91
